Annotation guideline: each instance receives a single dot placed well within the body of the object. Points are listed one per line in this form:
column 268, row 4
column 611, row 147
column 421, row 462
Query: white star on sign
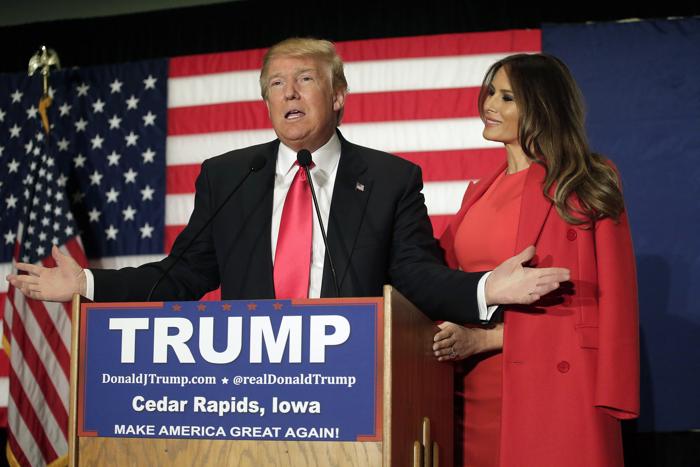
column 16, row 96
column 14, row 131
column 12, row 166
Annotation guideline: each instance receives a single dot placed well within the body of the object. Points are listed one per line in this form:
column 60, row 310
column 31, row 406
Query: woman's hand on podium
column 57, row 284
column 455, row 342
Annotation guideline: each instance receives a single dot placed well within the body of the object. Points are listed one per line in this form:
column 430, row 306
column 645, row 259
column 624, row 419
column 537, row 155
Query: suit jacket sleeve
column 195, row 274
column 417, row 265
column 617, row 382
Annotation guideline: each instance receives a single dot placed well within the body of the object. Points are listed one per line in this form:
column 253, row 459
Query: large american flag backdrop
column 130, row 138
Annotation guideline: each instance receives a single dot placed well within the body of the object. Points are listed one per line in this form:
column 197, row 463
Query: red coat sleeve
column 617, row 382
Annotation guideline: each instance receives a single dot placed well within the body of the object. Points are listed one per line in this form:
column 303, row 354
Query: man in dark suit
column 370, row 201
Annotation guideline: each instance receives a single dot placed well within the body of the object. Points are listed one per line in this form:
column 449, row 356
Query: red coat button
column 563, row 366
column 571, row 235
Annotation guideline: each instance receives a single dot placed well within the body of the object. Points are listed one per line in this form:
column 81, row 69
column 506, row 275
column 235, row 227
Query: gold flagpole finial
column 43, row 60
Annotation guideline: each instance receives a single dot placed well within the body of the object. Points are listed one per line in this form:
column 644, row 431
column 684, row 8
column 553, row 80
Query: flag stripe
column 44, row 382
column 371, row 107
column 461, row 164
column 26, row 395
column 413, row 74
column 394, row 137
column 117, row 262
column 373, row 49
column 179, row 207
column 40, row 329
column 23, row 441
column 437, row 166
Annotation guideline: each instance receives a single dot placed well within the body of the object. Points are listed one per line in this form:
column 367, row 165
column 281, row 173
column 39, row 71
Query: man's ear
column 339, row 99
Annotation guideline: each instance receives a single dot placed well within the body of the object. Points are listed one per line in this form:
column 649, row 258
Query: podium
column 413, row 407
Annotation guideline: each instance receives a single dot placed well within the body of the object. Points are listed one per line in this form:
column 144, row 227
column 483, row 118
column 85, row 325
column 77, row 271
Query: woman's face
column 500, row 111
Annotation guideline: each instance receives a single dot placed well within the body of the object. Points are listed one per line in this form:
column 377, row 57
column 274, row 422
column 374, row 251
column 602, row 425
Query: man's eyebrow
column 305, row 70
column 296, row 73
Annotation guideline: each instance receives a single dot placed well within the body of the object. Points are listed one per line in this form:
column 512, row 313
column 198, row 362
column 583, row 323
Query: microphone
column 256, row 165
column 304, row 161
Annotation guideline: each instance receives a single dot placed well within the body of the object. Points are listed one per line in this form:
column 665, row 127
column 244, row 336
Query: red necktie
column 293, row 252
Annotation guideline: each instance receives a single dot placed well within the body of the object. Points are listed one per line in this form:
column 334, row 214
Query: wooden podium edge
column 386, row 435
column 73, row 394
column 420, row 388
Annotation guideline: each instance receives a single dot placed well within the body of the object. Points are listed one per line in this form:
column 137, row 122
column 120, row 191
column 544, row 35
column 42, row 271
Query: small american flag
column 99, row 176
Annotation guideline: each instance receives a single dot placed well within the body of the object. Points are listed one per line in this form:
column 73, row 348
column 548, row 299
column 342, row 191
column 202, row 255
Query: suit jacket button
column 563, row 366
column 571, row 235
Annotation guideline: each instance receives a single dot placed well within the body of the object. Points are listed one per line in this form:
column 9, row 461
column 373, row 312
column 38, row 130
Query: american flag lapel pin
column 359, row 186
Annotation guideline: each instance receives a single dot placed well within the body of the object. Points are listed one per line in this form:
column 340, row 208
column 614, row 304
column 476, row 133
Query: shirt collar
column 325, row 158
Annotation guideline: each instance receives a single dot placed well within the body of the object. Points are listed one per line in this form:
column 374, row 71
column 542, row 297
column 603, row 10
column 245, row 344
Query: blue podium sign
column 248, row 370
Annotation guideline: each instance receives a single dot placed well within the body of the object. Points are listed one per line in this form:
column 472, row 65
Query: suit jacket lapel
column 534, row 208
column 256, row 200
column 352, row 189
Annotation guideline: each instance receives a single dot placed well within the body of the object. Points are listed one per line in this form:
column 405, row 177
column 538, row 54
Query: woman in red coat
column 568, row 371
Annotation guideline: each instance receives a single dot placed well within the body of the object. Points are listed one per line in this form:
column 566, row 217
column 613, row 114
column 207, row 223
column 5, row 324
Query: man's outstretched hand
column 512, row 283
column 51, row 284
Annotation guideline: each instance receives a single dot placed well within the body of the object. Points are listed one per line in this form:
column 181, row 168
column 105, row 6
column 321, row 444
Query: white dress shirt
column 323, row 173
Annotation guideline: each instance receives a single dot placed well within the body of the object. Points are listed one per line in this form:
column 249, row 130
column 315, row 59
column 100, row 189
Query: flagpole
column 43, row 60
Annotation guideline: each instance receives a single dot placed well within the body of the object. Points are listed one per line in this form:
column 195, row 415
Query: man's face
column 301, row 102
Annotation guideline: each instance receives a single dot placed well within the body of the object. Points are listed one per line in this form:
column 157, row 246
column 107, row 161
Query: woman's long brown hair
column 551, row 132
